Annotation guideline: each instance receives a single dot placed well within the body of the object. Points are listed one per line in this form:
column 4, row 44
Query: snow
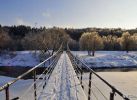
column 108, row 58
column 63, row 83
column 20, row 58
column 101, row 59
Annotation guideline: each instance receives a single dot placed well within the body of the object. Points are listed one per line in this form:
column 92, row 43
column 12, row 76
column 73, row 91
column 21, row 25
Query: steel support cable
column 91, row 81
column 71, row 73
column 44, row 82
column 98, row 89
column 49, row 70
column 61, row 80
column 24, row 74
column 75, row 85
column 47, row 81
column 29, row 89
column 93, row 84
column 39, row 85
column 38, row 79
column 71, row 76
column 48, row 77
column 74, row 78
column 86, row 84
column 91, row 90
column 112, row 87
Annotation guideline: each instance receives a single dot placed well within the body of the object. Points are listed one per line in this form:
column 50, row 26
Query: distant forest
column 27, row 38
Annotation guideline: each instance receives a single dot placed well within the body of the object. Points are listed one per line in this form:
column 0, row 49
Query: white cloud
column 46, row 14
column 20, row 21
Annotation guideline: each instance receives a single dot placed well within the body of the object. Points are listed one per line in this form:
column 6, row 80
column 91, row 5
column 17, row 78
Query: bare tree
column 134, row 38
column 91, row 41
column 111, row 42
column 57, row 36
column 127, row 42
column 5, row 40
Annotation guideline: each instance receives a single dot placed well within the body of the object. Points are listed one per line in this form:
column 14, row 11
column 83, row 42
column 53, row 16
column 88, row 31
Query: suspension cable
column 77, row 66
column 112, row 87
column 47, row 73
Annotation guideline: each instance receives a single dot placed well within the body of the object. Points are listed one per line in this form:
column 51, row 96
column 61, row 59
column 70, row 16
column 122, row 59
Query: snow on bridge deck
column 63, row 83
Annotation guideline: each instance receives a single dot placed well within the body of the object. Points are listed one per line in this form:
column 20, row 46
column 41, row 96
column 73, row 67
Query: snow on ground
column 20, row 58
column 63, row 83
column 101, row 59
column 63, row 80
column 108, row 58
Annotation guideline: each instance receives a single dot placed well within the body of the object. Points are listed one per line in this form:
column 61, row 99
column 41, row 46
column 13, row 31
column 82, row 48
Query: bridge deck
column 63, row 83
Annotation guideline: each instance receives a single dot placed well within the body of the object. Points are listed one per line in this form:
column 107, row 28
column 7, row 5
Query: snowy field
column 20, row 58
column 108, row 58
column 126, row 82
column 101, row 59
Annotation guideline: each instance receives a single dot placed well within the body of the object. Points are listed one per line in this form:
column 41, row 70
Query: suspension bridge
column 62, row 79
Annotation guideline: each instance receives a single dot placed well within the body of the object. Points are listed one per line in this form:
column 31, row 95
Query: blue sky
column 70, row 13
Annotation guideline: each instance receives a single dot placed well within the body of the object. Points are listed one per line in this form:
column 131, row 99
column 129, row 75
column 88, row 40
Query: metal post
column 45, row 82
column 112, row 95
column 7, row 93
column 81, row 79
column 35, row 87
column 89, row 90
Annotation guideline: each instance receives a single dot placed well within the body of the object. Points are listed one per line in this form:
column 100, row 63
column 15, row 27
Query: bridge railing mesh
column 95, row 87
column 34, row 86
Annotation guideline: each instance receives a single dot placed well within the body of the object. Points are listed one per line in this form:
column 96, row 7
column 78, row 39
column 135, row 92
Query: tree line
column 26, row 38
column 29, row 38
column 92, row 41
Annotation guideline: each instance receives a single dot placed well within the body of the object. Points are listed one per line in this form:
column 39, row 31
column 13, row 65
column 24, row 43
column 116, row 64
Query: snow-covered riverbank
column 22, row 58
column 108, row 58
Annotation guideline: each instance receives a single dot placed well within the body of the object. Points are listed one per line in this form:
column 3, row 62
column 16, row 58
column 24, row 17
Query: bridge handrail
column 107, row 83
column 24, row 74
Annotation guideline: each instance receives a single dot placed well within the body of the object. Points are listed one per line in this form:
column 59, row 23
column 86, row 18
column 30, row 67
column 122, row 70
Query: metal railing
column 78, row 65
column 52, row 60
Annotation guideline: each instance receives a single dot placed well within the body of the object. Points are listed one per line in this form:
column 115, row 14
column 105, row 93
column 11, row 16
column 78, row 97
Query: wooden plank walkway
column 63, row 83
